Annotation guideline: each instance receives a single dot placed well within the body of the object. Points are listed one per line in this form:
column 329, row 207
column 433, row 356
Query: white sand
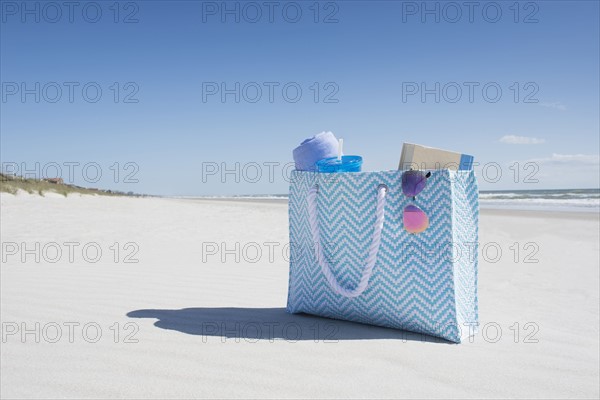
column 247, row 348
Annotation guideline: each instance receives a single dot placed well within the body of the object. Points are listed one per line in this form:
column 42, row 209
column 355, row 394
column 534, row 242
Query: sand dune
column 201, row 313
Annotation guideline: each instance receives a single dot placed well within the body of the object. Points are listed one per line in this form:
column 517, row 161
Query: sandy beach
column 182, row 298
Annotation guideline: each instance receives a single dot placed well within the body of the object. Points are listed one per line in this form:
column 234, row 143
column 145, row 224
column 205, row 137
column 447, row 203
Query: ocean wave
column 547, row 202
column 557, row 200
column 539, row 195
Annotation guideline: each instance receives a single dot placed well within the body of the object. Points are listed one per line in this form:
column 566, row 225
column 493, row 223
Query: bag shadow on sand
column 254, row 324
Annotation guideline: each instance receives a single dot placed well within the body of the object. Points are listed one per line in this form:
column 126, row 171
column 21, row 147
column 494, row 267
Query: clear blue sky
column 370, row 57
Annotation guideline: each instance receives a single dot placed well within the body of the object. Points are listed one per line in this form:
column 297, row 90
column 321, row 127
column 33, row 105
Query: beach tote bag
column 352, row 259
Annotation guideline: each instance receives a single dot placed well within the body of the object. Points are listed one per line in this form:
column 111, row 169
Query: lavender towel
column 314, row 149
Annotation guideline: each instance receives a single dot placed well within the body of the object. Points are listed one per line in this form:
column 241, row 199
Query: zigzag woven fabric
column 465, row 216
column 418, row 282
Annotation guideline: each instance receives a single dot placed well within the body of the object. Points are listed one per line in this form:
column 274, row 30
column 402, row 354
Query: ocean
column 583, row 200
column 577, row 200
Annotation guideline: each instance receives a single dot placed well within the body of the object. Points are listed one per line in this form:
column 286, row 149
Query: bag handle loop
column 373, row 249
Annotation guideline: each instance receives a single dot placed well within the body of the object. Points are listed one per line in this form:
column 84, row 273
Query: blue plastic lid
column 346, row 164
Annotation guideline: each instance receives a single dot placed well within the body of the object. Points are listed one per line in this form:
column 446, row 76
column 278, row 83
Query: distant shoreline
column 486, row 209
column 572, row 201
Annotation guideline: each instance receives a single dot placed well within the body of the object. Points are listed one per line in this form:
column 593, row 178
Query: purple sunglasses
column 413, row 182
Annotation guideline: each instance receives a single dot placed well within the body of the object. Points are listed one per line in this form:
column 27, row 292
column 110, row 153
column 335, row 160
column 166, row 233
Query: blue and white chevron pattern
column 424, row 283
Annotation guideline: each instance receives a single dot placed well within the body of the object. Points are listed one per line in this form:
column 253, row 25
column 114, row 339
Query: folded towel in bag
column 314, row 149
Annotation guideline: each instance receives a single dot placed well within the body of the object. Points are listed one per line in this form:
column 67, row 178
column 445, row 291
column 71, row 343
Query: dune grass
column 12, row 184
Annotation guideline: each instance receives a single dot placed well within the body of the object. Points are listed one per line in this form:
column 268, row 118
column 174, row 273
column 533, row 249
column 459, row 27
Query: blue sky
column 165, row 132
